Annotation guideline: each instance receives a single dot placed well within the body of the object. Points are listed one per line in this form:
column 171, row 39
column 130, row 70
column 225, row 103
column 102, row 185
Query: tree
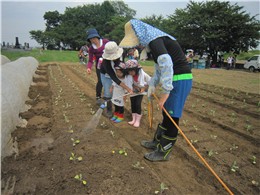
column 215, row 26
column 39, row 37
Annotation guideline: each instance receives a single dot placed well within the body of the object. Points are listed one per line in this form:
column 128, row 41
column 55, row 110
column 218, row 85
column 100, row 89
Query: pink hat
column 132, row 64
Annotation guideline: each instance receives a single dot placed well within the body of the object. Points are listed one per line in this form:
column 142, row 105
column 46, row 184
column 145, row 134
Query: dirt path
column 221, row 122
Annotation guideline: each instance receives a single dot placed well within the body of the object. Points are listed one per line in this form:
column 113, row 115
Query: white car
column 253, row 63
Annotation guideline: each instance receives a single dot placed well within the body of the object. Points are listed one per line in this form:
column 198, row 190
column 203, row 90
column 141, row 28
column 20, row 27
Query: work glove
column 151, row 90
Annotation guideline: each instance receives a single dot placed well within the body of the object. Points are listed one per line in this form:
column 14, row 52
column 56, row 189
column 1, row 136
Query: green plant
column 122, row 152
column 80, row 178
column 234, row 147
column 73, row 157
column 75, row 142
column 253, row 160
column 137, row 165
column 234, row 167
column 185, row 122
column 163, row 187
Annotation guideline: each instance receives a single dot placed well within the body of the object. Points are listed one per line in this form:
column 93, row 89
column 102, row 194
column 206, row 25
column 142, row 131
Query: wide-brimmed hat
column 91, row 33
column 130, row 40
column 130, row 64
column 112, row 51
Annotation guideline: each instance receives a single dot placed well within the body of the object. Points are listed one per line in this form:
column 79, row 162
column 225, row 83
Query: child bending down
column 140, row 86
column 119, row 94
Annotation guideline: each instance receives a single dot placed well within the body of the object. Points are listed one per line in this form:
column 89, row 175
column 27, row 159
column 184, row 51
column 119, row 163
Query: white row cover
column 4, row 60
column 16, row 80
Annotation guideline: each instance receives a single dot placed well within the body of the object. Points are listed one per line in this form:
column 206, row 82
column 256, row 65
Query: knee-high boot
column 163, row 150
column 156, row 139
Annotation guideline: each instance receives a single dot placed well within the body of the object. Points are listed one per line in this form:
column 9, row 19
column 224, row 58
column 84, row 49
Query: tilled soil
column 221, row 122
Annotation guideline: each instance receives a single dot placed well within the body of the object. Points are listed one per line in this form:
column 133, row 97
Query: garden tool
column 93, row 123
column 150, row 113
column 166, row 146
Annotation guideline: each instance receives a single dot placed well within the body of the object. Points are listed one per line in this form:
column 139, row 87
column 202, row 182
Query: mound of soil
column 221, row 122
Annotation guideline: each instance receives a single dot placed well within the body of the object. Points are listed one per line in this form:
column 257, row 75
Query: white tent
column 15, row 83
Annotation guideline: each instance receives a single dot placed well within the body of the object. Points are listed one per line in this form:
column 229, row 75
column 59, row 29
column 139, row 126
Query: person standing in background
column 83, row 54
column 95, row 52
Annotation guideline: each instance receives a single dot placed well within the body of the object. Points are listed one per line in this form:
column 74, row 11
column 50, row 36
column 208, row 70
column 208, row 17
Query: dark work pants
column 99, row 84
column 172, row 130
column 136, row 104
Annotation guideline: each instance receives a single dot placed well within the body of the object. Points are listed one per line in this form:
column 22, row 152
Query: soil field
column 221, row 119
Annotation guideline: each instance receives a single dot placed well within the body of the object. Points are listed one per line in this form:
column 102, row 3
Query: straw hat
column 112, row 51
column 130, row 39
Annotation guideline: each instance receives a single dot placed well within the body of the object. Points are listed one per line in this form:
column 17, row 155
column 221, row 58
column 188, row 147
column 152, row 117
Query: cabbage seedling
column 75, row 142
column 122, row 152
column 253, row 160
column 137, row 165
column 163, row 188
column 79, row 177
column 234, row 167
column 74, row 157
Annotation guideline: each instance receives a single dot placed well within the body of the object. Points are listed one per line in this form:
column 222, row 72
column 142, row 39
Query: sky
column 18, row 17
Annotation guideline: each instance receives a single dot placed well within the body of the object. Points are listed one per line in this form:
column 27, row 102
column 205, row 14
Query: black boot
column 157, row 136
column 163, row 150
column 109, row 113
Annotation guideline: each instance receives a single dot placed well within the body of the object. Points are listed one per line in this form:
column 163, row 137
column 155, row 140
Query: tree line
column 210, row 26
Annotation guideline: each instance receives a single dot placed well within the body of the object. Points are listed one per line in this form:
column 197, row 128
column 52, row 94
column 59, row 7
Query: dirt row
column 63, row 102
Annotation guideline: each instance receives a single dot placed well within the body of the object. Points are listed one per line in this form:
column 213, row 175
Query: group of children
column 132, row 74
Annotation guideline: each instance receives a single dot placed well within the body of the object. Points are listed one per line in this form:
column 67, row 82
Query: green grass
column 44, row 56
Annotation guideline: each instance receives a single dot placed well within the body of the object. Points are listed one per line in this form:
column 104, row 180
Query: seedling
column 234, row 147
column 213, row 136
column 185, row 122
column 79, row 177
column 193, row 141
column 249, row 127
column 112, row 133
column 66, row 118
column 92, row 111
column 74, row 157
column 234, row 167
column 103, row 125
column 195, row 127
column 122, row 152
column 137, row 165
column 212, row 112
column 211, row 153
column 75, row 142
column 163, row 187
column 253, row 160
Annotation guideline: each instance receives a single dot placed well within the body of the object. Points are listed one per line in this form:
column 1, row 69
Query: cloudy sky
column 19, row 17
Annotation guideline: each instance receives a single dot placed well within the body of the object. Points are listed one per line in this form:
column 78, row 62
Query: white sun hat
column 112, row 51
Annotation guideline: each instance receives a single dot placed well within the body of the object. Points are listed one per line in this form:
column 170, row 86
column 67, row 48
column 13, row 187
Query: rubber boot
column 120, row 118
column 109, row 112
column 163, row 150
column 133, row 120
column 156, row 139
column 137, row 120
column 114, row 116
